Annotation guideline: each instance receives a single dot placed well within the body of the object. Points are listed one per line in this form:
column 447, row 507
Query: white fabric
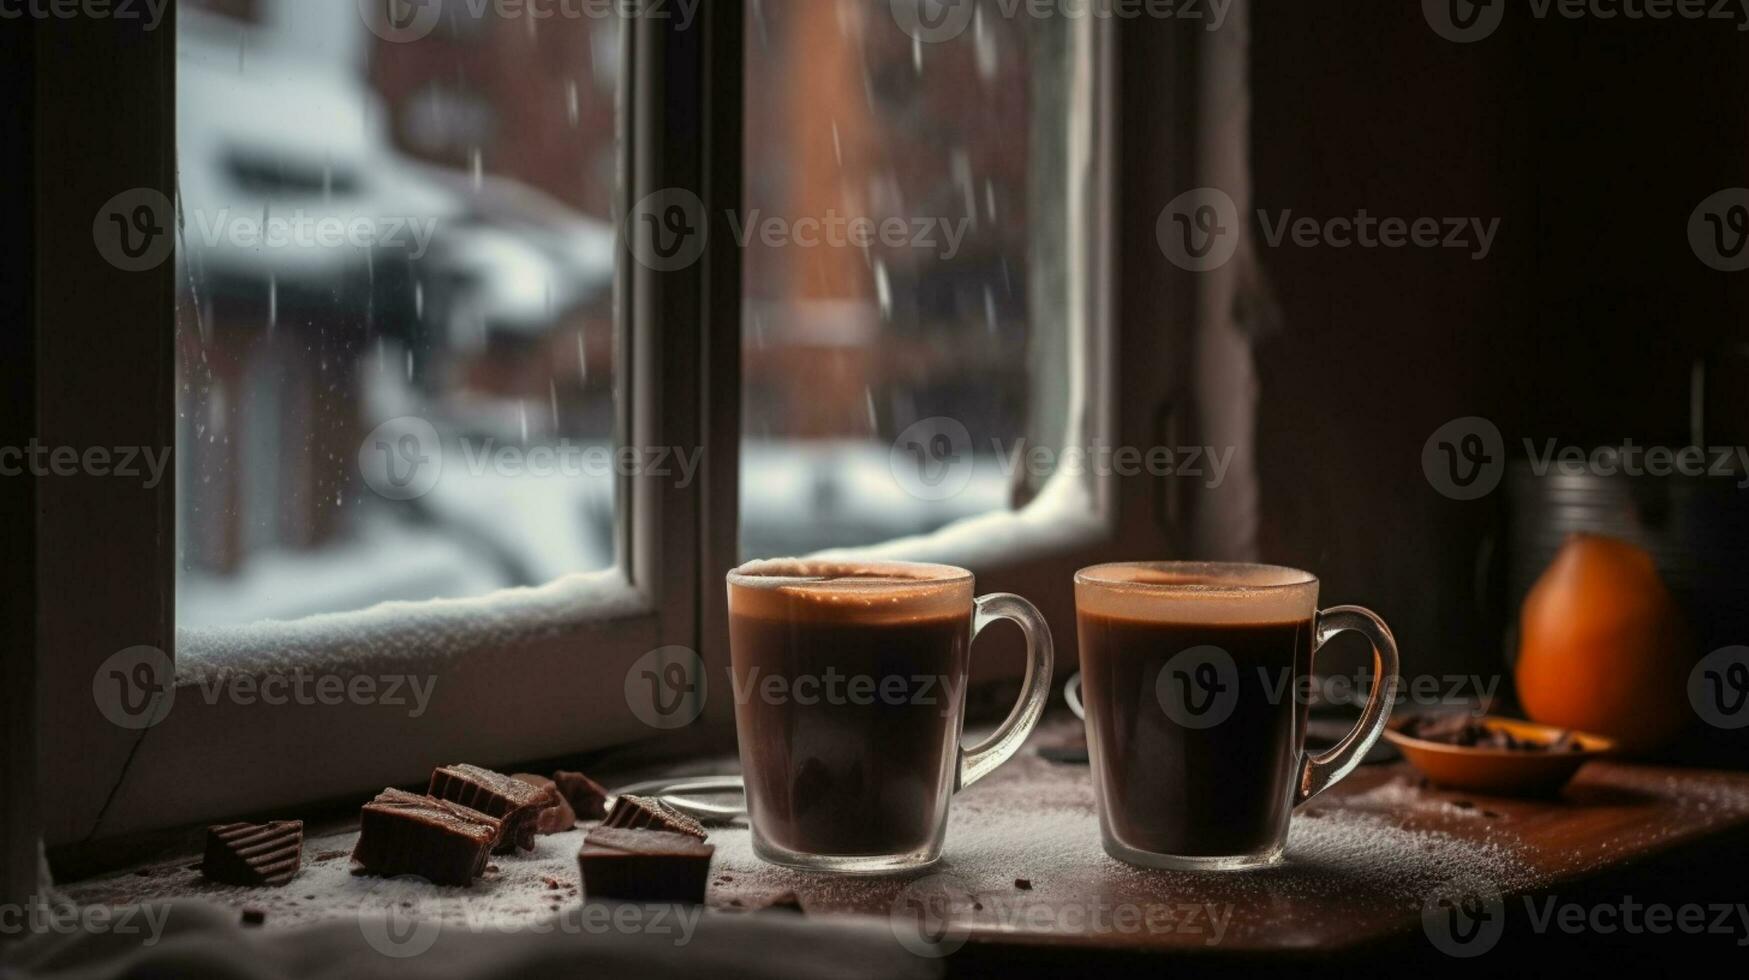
column 200, row 940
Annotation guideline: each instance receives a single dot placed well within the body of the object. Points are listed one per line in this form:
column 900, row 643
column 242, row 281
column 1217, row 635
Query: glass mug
column 849, row 682
column 1195, row 727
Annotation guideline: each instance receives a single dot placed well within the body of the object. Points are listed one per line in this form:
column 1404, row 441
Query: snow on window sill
column 399, row 635
column 1064, row 516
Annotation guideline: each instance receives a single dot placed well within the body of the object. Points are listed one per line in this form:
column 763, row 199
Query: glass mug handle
column 983, row 758
column 1320, row 772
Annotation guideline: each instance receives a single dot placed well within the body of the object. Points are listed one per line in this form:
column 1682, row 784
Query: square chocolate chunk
column 638, row 865
column 645, row 812
column 402, row 833
column 558, row 816
column 254, row 853
column 514, row 802
column 585, row 795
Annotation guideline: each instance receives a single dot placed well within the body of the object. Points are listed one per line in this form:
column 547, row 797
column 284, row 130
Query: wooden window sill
column 1364, row 862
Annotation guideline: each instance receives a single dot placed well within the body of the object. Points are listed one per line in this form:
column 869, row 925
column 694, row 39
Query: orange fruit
column 1603, row 647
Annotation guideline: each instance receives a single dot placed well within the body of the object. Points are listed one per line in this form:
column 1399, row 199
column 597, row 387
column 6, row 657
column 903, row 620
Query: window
column 396, row 355
column 909, row 311
column 359, row 425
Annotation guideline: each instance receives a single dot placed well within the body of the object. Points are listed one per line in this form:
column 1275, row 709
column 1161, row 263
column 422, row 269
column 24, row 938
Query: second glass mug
column 849, row 682
column 1196, row 726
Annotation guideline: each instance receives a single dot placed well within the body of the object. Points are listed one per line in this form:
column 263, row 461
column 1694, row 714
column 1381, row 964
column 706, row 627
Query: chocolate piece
column 254, row 853
column 1441, row 728
column 1467, row 731
column 585, row 795
column 558, row 817
column 445, row 843
column 641, row 865
column 644, row 812
column 254, row 917
column 512, row 801
column 1024, row 884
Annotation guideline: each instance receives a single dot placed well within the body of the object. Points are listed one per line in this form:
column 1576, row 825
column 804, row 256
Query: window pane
column 396, row 334
column 909, row 315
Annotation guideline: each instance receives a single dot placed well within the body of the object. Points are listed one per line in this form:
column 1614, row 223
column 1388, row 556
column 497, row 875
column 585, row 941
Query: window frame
column 525, row 698
column 519, row 652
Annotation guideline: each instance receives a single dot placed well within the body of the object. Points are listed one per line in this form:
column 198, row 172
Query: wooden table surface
column 1365, row 861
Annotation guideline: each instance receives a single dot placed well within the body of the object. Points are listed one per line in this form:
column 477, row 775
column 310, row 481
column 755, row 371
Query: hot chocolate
column 1214, row 775
column 847, row 700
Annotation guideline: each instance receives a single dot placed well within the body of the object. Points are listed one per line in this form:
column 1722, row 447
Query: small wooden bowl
column 1501, row 772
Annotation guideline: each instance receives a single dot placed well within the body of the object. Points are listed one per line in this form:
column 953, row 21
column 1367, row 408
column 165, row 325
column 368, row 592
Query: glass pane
column 909, row 318
column 396, row 341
